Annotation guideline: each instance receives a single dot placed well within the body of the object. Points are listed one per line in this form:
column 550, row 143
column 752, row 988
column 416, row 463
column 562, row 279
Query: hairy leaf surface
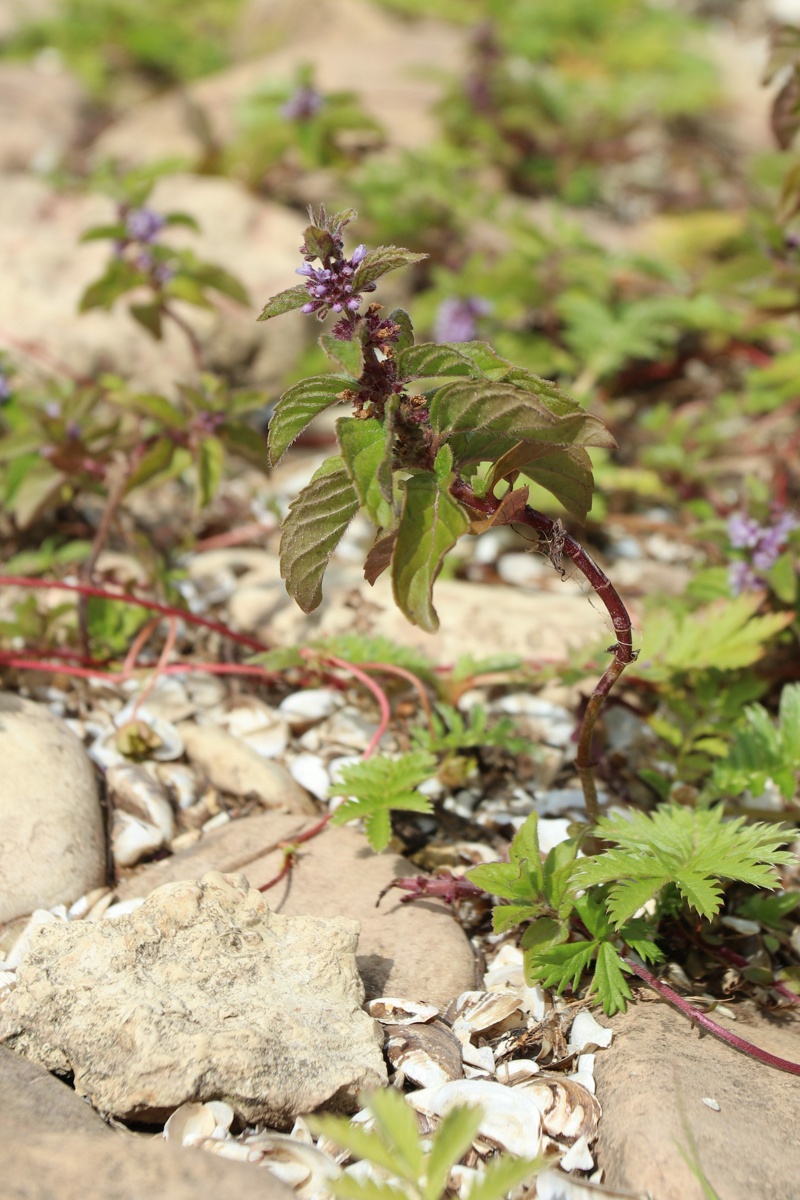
column 565, row 472
column 431, row 522
column 513, row 412
column 379, row 262
column 283, row 302
column 315, row 523
column 299, row 405
column 363, row 446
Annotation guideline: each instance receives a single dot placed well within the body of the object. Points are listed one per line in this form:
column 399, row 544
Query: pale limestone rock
column 414, row 950
column 201, row 993
column 236, row 768
column 52, row 846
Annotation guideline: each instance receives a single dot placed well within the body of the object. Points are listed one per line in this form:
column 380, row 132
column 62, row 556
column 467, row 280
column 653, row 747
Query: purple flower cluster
column 457, row 320
column 763, row 543
column 303, row 104
column 143, row 224
column 331, row 287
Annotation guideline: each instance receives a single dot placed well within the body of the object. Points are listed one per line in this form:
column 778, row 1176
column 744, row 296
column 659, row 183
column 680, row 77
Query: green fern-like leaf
column 695, row 850
column 762, row 750
column 363, row 648
column 378, row 785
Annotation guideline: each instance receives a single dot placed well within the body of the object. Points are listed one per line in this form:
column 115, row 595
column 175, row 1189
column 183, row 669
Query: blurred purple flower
column 742, row 578
column 5, row 388
column 457, row 320
column 303, row 104
column 143, row 224
column 163, row 272
column 743, row 531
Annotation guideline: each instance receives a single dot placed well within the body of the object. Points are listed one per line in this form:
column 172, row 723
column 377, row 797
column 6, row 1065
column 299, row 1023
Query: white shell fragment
column 392, row 1011
column 310, row 772
column 511, row 1120
column 567, row 1109
column 263, row 728
column 587, row 1032
column 132, row 839
column 304, row 709
column 477, row 1011
column 305, row 1168
column 191, row 1123
column 710, row 1102
column 136, row 791
column 578, row 1157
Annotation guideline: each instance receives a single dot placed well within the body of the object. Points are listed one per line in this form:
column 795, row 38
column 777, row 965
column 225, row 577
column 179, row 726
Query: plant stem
column 553, row 535
column 116, row 490
column 167, row 610
column 700, row 1018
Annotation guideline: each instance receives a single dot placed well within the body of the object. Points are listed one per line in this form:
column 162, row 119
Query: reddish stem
column 700, row 1018
column 371, row 685
column 166, row 610
column 741, row 963
column 559, row 543
column 410, row 677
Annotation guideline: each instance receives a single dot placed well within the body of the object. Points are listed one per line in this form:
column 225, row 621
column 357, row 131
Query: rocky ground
column 142, row 876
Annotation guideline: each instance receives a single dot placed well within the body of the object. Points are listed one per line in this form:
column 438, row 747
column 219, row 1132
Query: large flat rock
column 652, row 1084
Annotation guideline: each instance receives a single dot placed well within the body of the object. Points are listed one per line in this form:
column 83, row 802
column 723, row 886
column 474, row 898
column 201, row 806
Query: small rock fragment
column 234, row 767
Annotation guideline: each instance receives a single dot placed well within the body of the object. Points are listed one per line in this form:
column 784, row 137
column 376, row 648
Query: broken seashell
column 552, row 1184
column 305, row 1168
column 181, row 783
column 39, row 916
column 101, row 907
column 189, row 1124
column 134, row 790
column 263, row 729
column 123, row 907
column 478, row 1011
column 392, row 1011
column 83, row 904
column 567, row 1109
column 586, row 1031
column 132, row 839
column 585, row 1072
column 578, row 1157
column 427, row 1054
column 511, row 1120
column 517, row 1070
column 710, row 1102
column 219, row 819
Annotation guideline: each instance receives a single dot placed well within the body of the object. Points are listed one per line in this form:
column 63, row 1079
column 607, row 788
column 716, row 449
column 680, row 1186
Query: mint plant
column 440, row 441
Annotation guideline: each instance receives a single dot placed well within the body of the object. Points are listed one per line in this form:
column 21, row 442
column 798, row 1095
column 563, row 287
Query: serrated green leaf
column 506, row 916
column 378, row 785
column 543, row 934
column 360, row 1142
column 396, row 1122
column 312, row 530
column 378, row 262
column 502, row 1175
column 783, row 578
column 400, row 317
column 443, row 464
column 375, row 648
column 210, row 461
column 693, row 849
column 452, row 1140
column 566, row 473
column 639, row 936
column 298, row 406
column 557, row 870
column 431, row 522
column 511, row 412
column 609, row 980
column 434, row 359
column 283, row 302
column 487, row 360
column 349, row 355
column 319, row 242
column 363, row 447
column 559, row 966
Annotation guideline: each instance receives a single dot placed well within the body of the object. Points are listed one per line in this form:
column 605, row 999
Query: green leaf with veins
column 609, row 980
column 431, row 522
column 566, row 472
column 283, row 302
column 379, row 262
column 315, row 523
column 400, row 317
column 349, row 355
column 378, row 785
column 363, row 447
column 695, row 850
column 434, row 359
column 512, row 412
column 299, row 405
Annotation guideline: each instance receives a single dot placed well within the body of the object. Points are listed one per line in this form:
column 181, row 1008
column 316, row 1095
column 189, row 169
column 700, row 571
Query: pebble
column 52, row 844
column 234, row 767
column 311, row 773
column 303, row 709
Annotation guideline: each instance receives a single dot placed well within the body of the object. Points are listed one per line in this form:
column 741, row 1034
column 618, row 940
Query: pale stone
column 52, row 846
column 202, row 993
column 414, row 950
column 652, row 1082
column 236, row 768
column 41, row 113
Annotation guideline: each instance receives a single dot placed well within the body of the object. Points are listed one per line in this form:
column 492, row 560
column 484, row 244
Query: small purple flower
column 163, row 272
column 331, row 287
column 304, row 104
column 743, row 531
column 457, row 320
column 143, row 224
column 5, row 388
column 742, row 578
